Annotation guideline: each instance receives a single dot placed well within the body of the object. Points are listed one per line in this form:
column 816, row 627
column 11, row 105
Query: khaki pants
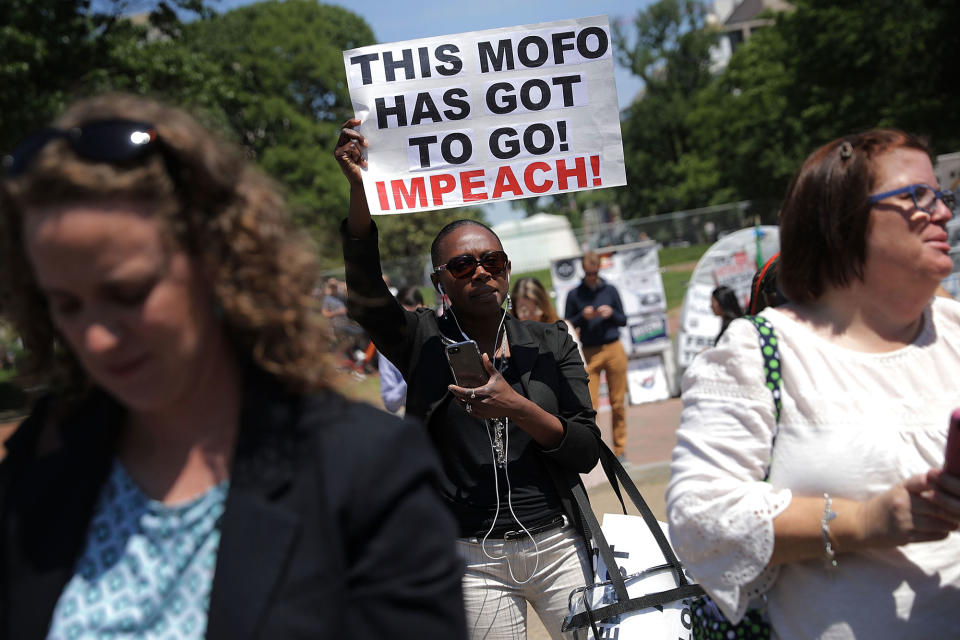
column 496, row 606
column 613, row 359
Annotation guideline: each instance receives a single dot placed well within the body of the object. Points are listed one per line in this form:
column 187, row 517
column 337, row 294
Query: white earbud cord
column 506, row 473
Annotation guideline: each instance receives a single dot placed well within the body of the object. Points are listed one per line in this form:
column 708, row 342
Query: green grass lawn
column 675, row 286
column 678, row 255
column 365, row 390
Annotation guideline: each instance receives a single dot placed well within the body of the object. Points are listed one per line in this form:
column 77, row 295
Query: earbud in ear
column 440, row 289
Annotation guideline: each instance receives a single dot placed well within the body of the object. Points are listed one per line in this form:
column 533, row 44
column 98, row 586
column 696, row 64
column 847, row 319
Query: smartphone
column 951, row 462
column 466, row 365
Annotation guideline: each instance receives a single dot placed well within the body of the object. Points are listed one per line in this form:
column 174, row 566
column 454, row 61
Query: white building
column 533, row 242
column 738, row 19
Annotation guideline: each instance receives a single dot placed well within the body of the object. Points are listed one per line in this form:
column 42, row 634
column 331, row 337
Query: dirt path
column 681, row 266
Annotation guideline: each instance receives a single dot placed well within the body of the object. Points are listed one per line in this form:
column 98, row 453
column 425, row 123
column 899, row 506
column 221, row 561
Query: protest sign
column 488, row 115
column 731, row 261
column 647, row 380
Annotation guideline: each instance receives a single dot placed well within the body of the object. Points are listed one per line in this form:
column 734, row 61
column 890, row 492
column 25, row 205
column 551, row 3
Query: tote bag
column 646, row 595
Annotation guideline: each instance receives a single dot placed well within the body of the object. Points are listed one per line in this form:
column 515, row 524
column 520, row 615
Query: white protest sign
column 488, row 115
column 647, row 380
column 731, row 261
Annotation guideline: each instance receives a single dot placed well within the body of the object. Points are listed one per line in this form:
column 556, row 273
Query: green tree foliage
column 288, row 96
column 668, row 47
column 826, row 69
column 53, row 50
column 270, row 75
column 740, row 120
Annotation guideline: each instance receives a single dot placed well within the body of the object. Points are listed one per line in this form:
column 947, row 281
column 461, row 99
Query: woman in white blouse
column 853, row 535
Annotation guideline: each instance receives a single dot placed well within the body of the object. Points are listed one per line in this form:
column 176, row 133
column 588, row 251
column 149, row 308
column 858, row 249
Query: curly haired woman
column 191, row 471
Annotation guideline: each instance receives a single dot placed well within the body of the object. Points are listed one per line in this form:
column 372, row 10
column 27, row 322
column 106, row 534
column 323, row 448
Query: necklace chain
column 498, row 441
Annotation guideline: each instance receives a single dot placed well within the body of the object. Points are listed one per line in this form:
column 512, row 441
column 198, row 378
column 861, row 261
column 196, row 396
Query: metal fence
column 603, row 228
column 679, row 228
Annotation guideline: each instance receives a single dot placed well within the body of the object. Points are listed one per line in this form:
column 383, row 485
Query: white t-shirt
column 852, row 425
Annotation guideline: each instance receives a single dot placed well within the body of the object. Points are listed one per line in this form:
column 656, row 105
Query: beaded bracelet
column 829, row 557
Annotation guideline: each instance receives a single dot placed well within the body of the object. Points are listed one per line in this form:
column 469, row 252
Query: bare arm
column 924, row 507
column 328, row 313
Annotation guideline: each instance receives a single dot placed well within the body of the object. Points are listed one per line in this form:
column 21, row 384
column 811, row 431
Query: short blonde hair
column 591, row 260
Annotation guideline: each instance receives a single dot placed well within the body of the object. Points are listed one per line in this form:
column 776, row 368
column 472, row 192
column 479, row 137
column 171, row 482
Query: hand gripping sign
column 488, row 115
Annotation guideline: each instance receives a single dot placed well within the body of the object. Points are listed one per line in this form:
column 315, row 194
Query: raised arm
column 350, row 156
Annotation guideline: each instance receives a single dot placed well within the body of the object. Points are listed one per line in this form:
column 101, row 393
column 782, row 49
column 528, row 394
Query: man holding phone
column 594, row 308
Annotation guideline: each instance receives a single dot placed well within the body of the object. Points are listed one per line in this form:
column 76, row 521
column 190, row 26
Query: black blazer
column 332, row 526
column 551, row 370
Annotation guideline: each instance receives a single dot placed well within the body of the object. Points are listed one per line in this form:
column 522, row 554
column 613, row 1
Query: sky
column 395, row 20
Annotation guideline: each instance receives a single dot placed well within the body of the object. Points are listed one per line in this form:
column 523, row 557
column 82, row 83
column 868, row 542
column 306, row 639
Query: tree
column 825, row 70
column 669, row 49
column 269, row 75
column 54, row 50
column 743, row 122
column 288, row 97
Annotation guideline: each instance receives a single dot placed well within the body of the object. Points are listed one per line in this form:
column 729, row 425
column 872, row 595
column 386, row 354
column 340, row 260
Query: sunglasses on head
column 114, row 141
column 494, row 262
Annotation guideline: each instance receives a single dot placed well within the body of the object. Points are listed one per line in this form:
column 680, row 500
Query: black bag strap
column 617, row 476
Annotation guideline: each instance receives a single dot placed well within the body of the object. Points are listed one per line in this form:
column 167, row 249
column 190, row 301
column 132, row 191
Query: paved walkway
column 651, row 435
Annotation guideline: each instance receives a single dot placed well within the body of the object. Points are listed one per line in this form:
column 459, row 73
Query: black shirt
column 467, row 485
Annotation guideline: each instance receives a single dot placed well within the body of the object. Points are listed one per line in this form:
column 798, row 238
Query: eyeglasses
column 494, row 262
column 114, row 141
column 924, row 197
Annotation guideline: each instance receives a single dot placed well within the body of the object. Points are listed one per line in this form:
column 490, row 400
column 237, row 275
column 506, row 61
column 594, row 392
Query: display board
column 731, row 261
column 634, row 269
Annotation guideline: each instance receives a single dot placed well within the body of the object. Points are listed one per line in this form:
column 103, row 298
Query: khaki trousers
column 496, row 606
column 612, row 359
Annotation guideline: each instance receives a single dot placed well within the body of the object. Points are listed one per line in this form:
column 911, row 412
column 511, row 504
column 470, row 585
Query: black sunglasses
column 114, row 141
column 494, row 262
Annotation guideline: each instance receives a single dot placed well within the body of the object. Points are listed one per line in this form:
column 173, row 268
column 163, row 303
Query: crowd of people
column 189, row 469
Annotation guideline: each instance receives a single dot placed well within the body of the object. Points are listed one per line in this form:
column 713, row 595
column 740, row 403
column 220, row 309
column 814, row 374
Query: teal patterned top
column 146, row 570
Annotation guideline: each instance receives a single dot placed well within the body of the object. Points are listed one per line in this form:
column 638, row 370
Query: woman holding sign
column 512, row 446
column 827, row 496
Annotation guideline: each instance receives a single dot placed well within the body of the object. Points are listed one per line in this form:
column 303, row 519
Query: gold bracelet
column 829, row 557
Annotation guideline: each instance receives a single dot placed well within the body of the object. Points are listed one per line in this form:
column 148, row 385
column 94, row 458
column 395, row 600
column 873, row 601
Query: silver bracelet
column 829, row 557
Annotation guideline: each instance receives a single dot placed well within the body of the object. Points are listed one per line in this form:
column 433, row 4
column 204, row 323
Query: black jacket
column 332, row 526
column 551, row 371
